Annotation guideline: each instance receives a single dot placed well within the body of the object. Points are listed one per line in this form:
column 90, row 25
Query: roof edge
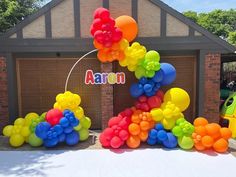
column 194, row 25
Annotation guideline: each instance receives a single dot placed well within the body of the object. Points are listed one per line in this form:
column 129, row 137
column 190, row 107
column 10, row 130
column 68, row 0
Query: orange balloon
column 225, row 133
column 200, row 121
column 97, row 44
column 207, row 141
column 143, row 135
column 200, row 130
column 213, row 130
column 133, row 141
column 221, row 145
column 144, row 125
column 152, row 124
column 128, row 26
column 135, row 118
column 198, row 146
column 134, row 129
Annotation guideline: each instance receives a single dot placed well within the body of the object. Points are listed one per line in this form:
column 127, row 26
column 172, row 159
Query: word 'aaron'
column 104, row 78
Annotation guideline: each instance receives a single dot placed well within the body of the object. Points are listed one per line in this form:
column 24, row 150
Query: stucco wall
column 174, row 27
column 36, row 29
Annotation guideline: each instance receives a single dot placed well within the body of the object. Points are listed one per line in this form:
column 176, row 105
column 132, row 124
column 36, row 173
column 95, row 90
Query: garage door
column 40, row 80
column 186, row 79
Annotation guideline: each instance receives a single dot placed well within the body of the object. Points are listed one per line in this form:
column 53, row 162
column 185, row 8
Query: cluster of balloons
column 65, row 123
column 210, row 136
column 20, row 132
column 158, row 135
column 183, row 130
column 165, row 76
column 145, row 103
column 58, row 128
column 117, row 132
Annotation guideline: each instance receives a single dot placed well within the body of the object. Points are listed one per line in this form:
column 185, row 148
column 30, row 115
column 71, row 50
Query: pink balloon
column 116, row 142
column 114, row 121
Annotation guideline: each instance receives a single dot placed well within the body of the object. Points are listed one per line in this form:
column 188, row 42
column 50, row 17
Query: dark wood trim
column 135, row 9
column 201, row 82
column 19, row 34
column 191, row 31
column 105, row 4
column 12, row 87
column 48, row 24
column 86, row 44
column 163, row 23
column 77, row 18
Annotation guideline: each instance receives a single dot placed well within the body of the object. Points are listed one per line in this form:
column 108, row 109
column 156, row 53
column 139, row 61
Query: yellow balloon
column 168, row 113
column 19, row 121
column 7, row 131
column 25, row 131
column 79, row 112
column 16, row 140
column 168, row 124
column 179, row 97
column 29, row 117
column 157, row 114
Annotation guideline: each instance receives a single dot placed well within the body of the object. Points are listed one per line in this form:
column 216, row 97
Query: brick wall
column 212, row 87
column 106, row 97
column 4, row 120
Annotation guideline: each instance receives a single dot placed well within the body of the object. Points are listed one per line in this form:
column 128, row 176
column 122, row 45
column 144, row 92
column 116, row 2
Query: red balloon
column 124, row 135
column 103, row 140
column 114, row 121
column 101, row 13
column 142, row 99
column 160, row 94
column 116, row 142
column 108, row 133
column 53, row 116
column 154, row 102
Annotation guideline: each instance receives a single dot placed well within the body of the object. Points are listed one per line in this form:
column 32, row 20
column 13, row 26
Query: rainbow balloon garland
column 156, row 118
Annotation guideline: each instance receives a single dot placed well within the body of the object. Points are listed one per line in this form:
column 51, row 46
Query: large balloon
column 168, row 73
column 128, row 26
column 53, row 116
column 179, row 97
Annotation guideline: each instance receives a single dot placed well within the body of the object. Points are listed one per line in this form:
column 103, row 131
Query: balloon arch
column 156, row 118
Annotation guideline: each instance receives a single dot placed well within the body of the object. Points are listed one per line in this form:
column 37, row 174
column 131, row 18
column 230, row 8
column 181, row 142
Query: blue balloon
column 72, row 138
column 153, row 134
column 66, row 111
column 147, row 88
column 162, row 135
column 64, row 122
column 58, row 129
column 151, row 141
column 159, row 127
column 68, row 129
column 75, row 122
column 136, row 90
column 41, row 130
column 158, row 77
column 61, row 137
column 50, row 142
column 171, row 141
column 143, row 80
column 169, row 73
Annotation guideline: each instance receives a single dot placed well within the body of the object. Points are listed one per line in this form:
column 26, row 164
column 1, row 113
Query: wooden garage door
column 40, row 80
column 186, row 79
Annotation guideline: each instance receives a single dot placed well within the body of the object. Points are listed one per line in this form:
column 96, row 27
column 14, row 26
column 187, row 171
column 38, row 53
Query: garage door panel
column 40, row 80
column 186, row 73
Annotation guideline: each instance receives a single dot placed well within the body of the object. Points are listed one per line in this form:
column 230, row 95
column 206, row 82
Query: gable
column 71, row 19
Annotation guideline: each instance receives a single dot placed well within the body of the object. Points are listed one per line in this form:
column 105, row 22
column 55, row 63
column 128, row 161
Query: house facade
column 37, row 54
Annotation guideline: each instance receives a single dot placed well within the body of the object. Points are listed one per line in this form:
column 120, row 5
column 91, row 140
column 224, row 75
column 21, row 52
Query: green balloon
column 86, row 122
column 180, row 120
column 34, row 140
column 177, row 131
column 152, row 55
column 83, row 134
column 186, row 142
column 139, row 72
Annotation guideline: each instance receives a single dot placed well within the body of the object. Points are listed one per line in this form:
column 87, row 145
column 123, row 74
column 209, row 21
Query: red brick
column 212, row 87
